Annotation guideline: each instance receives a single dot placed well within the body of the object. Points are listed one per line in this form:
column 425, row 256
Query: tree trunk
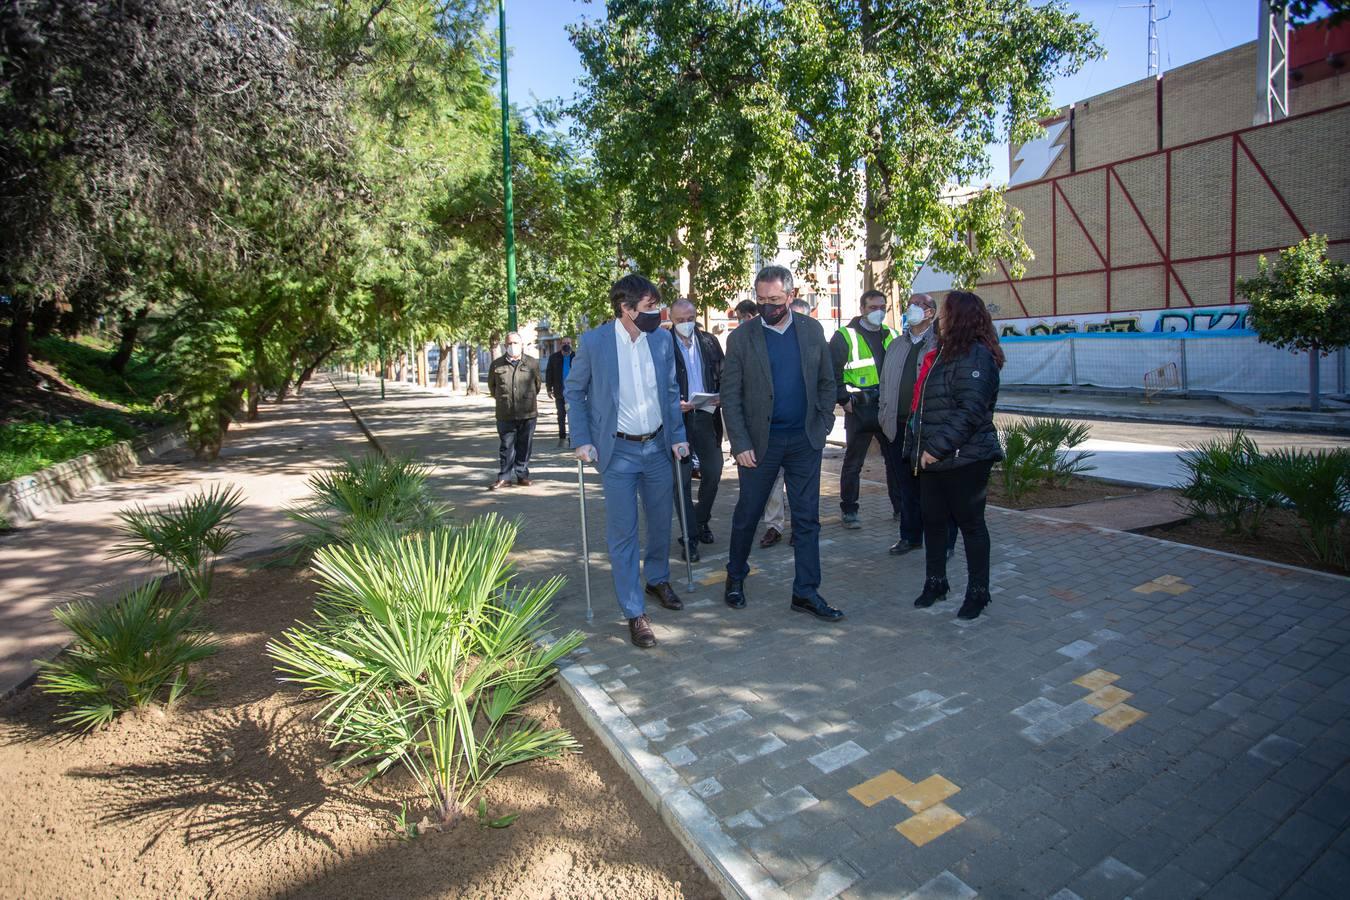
column 16, row 359
column 422, row 379
column 254, row 389
column 471, row 383
column 441, row 351
column 45, row 319
column 695, row 262
column 1314, row 379
column 454, row 367
column 131, row 327
column 309, row 369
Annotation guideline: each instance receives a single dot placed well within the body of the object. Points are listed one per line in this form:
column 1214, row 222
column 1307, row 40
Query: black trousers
column 956, row 494
column 856, row 444
column 792, row 453
column 561, row 403
column 516, row 437
column 911, row 515
column 701, row 429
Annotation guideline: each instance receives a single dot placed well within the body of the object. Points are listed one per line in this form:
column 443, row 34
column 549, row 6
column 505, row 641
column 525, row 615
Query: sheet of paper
column 701, row 399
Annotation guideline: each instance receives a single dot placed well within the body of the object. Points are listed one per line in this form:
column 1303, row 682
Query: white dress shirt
column 782, row 326
column 638, row 410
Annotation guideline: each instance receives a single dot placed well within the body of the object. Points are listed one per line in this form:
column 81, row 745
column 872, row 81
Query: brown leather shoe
column 771, row 536
column 640, row 630
column 663, row 592
column 499, row 484
column 523, row 482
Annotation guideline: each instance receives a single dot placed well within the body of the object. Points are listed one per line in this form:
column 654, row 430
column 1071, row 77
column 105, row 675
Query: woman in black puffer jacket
column 952, row 419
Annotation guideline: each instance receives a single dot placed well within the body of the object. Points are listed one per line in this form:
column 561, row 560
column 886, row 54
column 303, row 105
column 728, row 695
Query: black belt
column 639, row 438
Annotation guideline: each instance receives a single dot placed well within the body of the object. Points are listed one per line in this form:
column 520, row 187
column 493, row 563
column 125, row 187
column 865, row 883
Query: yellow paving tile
column 1168, row 584
column 1167, row 579
column 1096, row 679
column 933, row 822
column 1174, row 589
column 929, row 792
column 1107, row 697
column 1120, row 717
column 874, row 790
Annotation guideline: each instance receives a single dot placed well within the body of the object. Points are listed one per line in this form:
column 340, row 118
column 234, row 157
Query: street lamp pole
column 506, row 176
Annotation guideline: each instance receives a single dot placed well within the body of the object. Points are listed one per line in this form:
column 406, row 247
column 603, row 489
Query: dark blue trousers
column 800, row 463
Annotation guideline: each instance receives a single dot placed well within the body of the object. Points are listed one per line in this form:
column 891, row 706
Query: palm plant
column 1317, row 485
column 425, row 655
column 363, row 499
column 1026, row 459
column 1061, row 437
column 187, row 537
column 125, row 655
column 1219, row 482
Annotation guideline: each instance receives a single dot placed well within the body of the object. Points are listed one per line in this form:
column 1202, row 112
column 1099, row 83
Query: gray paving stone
column 824, row 883
column 944, row 886
column 785, row 804
column 837, row 757
column 1110, row 878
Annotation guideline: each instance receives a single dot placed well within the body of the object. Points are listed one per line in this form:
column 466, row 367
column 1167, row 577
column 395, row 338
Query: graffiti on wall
column 1205, row 319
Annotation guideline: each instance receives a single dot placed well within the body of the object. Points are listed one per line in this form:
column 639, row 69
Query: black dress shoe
column 977, row 599
column 816, row 607
column 705, row 535
column 734, row 593
column 901, row 547
column 692, row 553
column 640, row 632
column 934, row 589
column 666, row 594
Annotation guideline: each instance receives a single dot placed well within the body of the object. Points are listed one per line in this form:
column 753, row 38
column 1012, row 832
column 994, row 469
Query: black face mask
column 772, row 313
column 567, row 348
column 647, row 322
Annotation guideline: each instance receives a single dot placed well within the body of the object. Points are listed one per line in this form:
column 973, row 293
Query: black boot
column 977, row 598
column 934, row 589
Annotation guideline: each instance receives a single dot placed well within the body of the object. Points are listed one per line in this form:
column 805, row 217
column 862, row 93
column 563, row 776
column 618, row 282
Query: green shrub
column 1317, row 485
column 1040, row 451
column 125, row 655
column 27, row 447
column 1219, row 482
column 424, row 653
column 364, row 499
column 186, row 537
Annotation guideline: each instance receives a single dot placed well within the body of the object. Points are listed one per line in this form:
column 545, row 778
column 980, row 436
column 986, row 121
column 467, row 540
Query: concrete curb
column 1261, row 422
column 734, row 871
column 28, row 497
column 360, row 423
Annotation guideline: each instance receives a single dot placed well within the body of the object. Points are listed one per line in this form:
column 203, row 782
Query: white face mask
column 685, row 329
column 914, row 315
column 513, row 350
column 876, row 317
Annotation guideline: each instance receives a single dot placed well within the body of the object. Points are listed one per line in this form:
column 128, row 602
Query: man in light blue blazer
column 623, row 412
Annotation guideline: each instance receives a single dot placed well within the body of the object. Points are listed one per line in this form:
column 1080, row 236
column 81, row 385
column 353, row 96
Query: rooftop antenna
column 1272, row 64
column 1153, row 20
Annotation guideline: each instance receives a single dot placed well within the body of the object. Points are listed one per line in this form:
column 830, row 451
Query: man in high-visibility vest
column 859, row 350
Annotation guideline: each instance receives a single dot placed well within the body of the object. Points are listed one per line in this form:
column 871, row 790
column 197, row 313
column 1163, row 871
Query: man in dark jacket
column 778, row 402
column 698, row 370
column 513, row 381
column 859, row 353
column 555, row 377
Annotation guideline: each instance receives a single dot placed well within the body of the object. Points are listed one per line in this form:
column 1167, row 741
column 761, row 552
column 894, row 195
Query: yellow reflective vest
column 860, row 371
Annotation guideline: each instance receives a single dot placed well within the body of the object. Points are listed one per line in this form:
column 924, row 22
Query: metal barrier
column 1163, row 378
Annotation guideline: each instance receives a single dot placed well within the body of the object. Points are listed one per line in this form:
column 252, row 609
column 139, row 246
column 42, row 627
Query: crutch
column 585, row 547
column 684, row 527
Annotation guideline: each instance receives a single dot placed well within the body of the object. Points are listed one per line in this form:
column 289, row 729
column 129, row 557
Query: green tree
column 1302, row 303
column 895, row 102
column 681, row 103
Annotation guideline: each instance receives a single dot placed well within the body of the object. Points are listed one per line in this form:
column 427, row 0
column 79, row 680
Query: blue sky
column 544, row 65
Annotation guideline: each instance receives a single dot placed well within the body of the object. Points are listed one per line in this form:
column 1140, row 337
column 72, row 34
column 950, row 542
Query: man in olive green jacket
column 513, row 381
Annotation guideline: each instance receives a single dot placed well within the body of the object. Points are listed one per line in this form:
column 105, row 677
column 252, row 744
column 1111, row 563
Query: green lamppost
column 506, row 177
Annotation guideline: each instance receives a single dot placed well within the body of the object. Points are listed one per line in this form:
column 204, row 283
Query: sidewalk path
column 1131, row 717
column 65, row 554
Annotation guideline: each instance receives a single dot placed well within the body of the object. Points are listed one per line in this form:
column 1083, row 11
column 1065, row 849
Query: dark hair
column 629, row 291
column 968, row 324
column 872, row 293
column 747, row 309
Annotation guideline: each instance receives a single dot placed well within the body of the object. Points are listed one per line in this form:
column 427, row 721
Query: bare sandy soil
column 231, row 794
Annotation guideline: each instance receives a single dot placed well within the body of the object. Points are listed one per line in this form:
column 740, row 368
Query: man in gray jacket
column 899, row 371
column 778, row 401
